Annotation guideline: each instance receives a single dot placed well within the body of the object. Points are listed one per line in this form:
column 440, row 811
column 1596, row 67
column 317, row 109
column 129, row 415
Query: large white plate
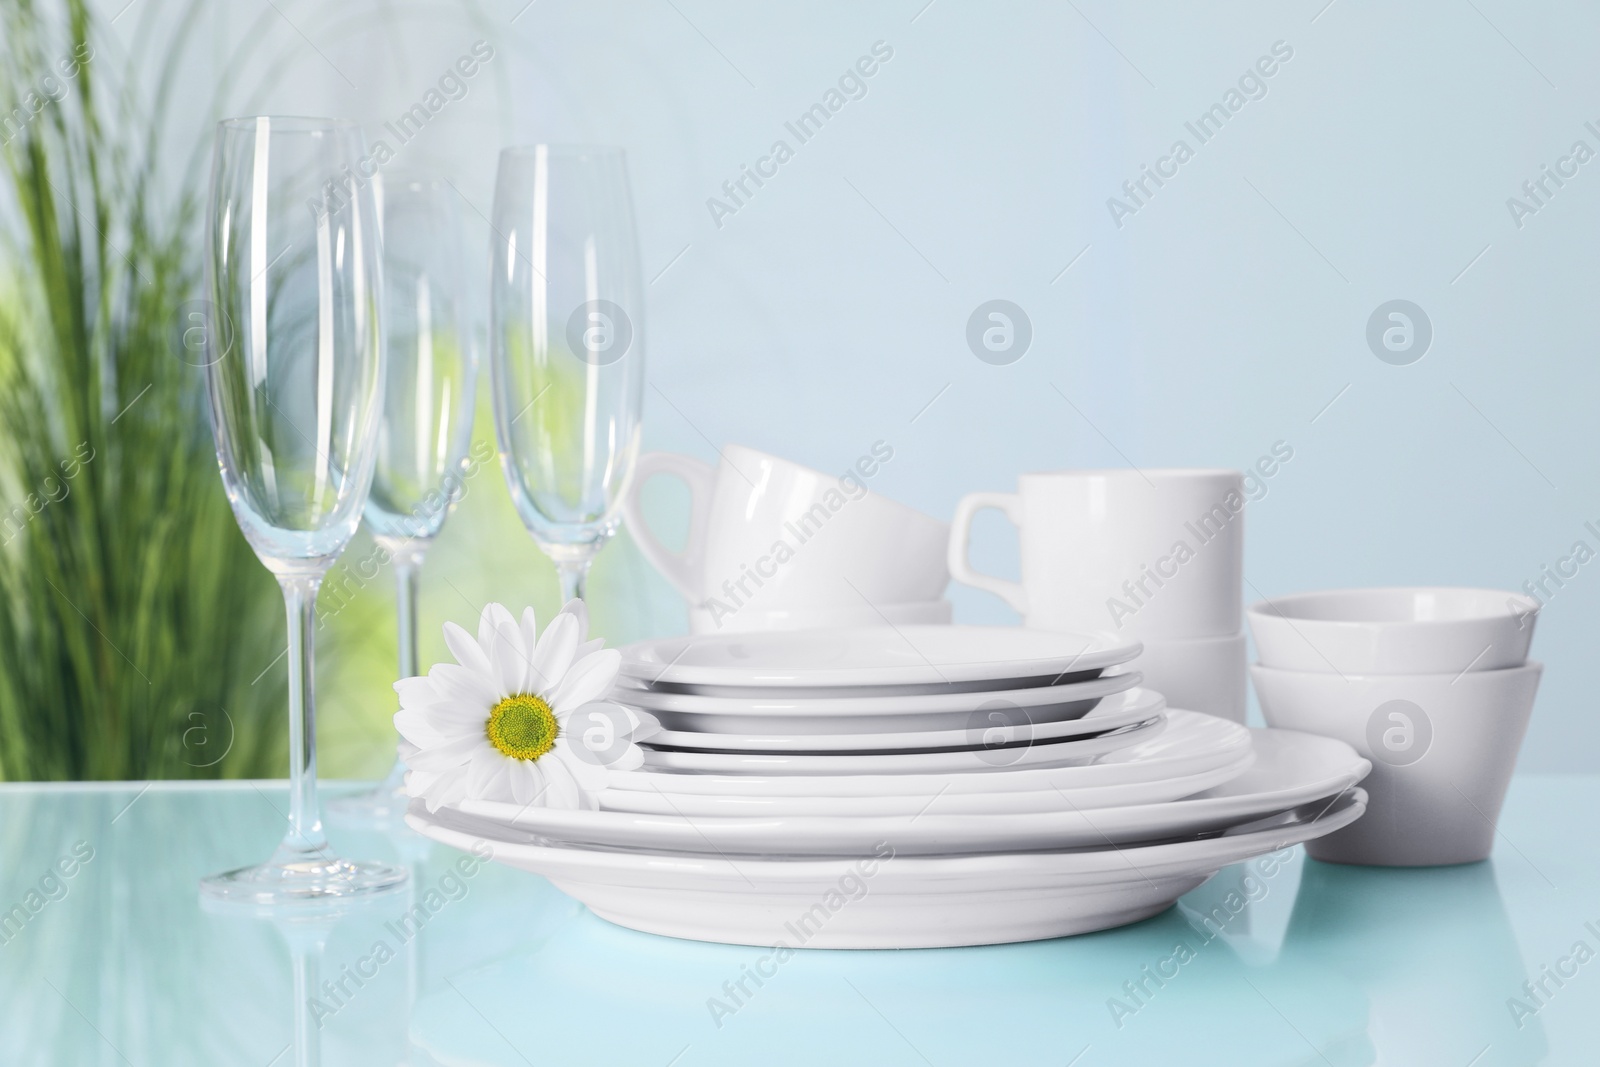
column 1086, row 797
column 865, row 658
column 998, row 724
column 1191, row 743
column 698, row 713
column 1058, row 753
column 1291, row 769
column 894, row 901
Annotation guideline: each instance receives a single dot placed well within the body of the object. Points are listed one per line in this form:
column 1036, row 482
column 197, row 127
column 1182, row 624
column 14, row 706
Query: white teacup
column 1156, row 553
column 1405, row 630
column 768, row 535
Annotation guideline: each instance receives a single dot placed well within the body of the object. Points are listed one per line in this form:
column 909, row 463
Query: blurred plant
column 139, row 635
column 137, row 630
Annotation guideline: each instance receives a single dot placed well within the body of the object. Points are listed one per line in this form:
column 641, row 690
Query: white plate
column 697, row 713
column 1059, row 753
column 996, row 725
column 1191, row 743
column 894, row 901
column 913, row 612
column 1087, row 798
column 867, row 658
column 1291, row 769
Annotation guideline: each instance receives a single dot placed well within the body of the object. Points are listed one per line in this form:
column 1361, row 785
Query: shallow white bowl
column 1291, row 769
column 1401, row 630
column 893, row 901
column 1442, row 747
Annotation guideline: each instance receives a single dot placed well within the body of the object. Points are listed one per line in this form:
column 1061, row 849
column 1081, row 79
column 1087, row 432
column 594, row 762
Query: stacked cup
column 774, row 545
column 1432, row 685
column 1153, row 555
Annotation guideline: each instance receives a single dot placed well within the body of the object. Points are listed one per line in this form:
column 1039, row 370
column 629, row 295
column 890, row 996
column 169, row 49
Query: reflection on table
column 1280, row 960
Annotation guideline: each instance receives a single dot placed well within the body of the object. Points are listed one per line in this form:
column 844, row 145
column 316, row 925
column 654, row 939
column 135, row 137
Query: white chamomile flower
column 519, row 716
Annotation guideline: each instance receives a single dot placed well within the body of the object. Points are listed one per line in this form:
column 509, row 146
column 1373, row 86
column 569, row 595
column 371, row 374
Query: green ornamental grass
column 135, row 624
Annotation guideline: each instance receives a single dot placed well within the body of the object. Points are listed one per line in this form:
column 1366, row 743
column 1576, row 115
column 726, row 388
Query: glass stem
column 574, row 578
column 407, row 570
column 407, row 574
column 305, row 820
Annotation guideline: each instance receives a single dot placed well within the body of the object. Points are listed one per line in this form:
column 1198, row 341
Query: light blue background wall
column 1224, row 316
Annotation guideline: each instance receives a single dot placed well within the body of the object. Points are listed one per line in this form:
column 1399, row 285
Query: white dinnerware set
column 1433, row 685
column 829, row 762
column 912, row 786
column 1154, row 555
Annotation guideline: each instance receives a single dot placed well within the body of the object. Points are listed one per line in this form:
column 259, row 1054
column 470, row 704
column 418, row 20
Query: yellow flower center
column 522, row 726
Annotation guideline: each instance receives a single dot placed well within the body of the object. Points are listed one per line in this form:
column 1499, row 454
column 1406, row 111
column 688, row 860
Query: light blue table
column 111, row 960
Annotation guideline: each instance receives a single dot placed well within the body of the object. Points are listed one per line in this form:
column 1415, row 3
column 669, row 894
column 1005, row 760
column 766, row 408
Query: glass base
column 293, row 878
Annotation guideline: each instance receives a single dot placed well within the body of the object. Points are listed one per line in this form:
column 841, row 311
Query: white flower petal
column 482, row 775
column 459, row 685
column 498, row 787
column 580, row 611
column 454, row 789
column 449, row 754
column 418, row 729
column 554, row 654
column 415, row 692
column 467, row 651
column 586, row 680
column 455, row 717
column 508, row 659
column 418, row 782
column 587, row 647
column 562, row 789
column 445, row 789
column 530, row 630
column 592, row 776
column 527, row 781
column 488, row 622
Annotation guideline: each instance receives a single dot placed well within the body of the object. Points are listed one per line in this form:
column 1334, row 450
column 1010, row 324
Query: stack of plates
column 913, row 787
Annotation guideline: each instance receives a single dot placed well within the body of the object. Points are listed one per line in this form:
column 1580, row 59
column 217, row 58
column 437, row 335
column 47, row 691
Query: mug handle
column 961, row 542
column 682, row 569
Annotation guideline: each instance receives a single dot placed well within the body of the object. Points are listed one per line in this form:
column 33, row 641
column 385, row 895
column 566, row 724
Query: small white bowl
column 1394, row 631
column 1442, row 747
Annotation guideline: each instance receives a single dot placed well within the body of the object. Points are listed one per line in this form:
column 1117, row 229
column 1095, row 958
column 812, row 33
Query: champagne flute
column 295, row 375
column 566, row 346
column 430, row 389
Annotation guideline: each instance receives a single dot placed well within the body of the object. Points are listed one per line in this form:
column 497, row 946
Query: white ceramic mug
column 1152, row 553
column 772, row 536
column 1198, row 673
